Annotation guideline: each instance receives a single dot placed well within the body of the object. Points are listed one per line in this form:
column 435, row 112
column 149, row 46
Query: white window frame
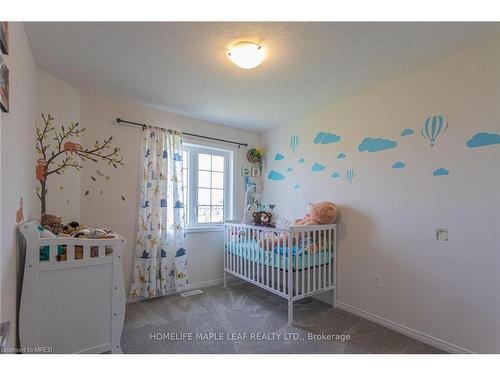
column 193, row 149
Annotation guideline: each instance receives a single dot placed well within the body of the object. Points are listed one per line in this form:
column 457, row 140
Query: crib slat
column 226, row 229
column 270, row 254
column 52, row 253
column 335, row 259
column 250, row 245
column 235, row 252
column 244, row 243
column 255, row 256
column 323, row 263
column 235, row 249
column 315, row 240
column 86, row 252
column 284, row 263
column 231, row 249
column 244, row 254
column 273, row 267
column 296, row 287
column 329, row 257
column 241, row 239
column 258, row 260
column 70, row 253
column 241, row 254
column 262, row 263
column 302, row 256
column 309, row 262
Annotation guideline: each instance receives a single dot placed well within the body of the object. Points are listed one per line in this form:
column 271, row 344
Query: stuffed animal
column 95, row 233
column 52, row 223
column 263, row 219
column 72, row 228
column 321, row 213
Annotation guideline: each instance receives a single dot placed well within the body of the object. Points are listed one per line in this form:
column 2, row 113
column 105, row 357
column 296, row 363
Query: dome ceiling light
column 247, row 55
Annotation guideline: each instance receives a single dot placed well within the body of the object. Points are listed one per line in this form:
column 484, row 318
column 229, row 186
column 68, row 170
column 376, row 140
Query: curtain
column 161, row 259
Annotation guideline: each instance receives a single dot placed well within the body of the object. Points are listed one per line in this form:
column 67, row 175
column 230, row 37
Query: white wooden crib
column 251, row 254
column 72, row 302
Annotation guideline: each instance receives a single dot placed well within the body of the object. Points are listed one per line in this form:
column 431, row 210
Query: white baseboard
column 417, row 335
column 203, row 284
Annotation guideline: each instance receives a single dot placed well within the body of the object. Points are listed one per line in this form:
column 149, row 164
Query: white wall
column 449, row 290
column 62, row 101
column 110, row 210
column 17, row 163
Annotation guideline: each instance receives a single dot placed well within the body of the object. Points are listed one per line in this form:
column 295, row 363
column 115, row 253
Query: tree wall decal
column 56, row 157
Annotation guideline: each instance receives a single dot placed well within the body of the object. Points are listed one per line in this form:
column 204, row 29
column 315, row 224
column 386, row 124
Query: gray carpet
column 246, row 319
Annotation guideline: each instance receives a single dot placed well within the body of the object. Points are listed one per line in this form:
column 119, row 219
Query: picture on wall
column 4, row 37
column 256, row 172
column 245, row 171
column 4, row 86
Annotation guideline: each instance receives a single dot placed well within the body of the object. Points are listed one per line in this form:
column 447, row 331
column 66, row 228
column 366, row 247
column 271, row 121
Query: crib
column 73, row 300
column 301, row 263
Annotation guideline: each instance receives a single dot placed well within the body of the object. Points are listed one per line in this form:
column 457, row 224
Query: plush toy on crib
column 321, row 213
column 52, row 223
column 263, row 219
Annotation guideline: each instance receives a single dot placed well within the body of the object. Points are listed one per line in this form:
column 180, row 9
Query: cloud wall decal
column 317, row 167
column 398, row 164
column 407, row 132
column 279, row 156
column 376, row 144
column 302, row 160
column 296, row 186
column 483, row 139
column 441, row 172
column 335, row 174
column 325, row 138
column 341, row 155
column 289, row 169
column 275, row 176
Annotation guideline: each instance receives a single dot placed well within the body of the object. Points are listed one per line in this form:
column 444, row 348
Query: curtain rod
column 119, row 120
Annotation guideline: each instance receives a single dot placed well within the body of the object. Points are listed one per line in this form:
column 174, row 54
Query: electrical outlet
column 377, row 280
column 442, row 234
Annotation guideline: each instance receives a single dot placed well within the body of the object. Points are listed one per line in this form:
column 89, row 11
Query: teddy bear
column 263, row 219
column 52, row 223
column 320, row 213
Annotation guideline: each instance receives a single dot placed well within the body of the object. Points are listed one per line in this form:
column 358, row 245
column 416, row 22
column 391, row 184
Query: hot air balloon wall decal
column 294, row 143
column 434, row 127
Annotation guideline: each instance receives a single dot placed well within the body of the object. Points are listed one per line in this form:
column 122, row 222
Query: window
column 206, row 191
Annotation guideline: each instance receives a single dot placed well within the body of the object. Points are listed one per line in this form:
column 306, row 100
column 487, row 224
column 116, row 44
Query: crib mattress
column 252, row 251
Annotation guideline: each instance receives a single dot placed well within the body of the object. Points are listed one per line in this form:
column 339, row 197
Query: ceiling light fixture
column 247, row 55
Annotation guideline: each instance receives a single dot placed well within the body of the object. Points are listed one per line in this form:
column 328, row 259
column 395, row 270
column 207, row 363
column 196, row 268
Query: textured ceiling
column 182, row 67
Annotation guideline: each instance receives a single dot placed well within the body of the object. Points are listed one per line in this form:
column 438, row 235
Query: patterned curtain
column 161, row 260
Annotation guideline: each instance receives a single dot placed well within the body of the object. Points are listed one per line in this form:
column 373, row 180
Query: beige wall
column 17, row 163
column 63, row 102
column 110, row 210
column 449, row 290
